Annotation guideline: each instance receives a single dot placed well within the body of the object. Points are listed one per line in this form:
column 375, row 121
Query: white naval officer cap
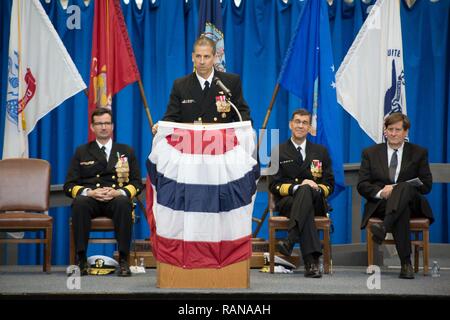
column 101, row 265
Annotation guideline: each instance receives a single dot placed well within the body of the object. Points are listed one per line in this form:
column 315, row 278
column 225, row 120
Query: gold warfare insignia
column 87, row 163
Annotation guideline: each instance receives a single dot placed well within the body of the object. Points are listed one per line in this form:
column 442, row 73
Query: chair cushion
column 322, row 222
column 279, row 218
column 279, row 221
column 414, row 223
column 24, row 220
column 102, row 223
column 419, row 223
column 282, row 221
column 374, row 220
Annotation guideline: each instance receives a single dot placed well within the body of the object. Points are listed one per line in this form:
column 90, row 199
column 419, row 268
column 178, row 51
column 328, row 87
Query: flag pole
column 144, row 100
column 269, row 110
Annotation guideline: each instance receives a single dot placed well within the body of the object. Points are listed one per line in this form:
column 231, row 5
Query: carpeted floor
column 345, row 282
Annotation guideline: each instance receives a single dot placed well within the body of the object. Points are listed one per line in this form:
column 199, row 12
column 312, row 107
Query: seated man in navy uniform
column 102, row 179
column 197, row 97
column 303, row 182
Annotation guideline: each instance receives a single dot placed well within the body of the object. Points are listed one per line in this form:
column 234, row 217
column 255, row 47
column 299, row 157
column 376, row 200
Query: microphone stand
column 234, row 107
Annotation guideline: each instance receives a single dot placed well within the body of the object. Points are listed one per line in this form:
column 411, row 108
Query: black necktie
column 393, row 166
column 300, row 156
column 206, row 88
column 103, row 148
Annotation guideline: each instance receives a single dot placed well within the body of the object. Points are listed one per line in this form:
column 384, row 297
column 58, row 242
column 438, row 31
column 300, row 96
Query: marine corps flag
column 41, row 74
column 113, row 65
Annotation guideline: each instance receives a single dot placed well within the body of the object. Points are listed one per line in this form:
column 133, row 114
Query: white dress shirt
column 303, row 146
column 202, row 81
column 108, row 147
column 390, row 152
column 303, row 152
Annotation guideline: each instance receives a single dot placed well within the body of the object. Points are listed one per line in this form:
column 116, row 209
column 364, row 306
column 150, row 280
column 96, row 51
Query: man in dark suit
column 197, row 98
column 303, row 182
column 102, row 179
column 385, row 168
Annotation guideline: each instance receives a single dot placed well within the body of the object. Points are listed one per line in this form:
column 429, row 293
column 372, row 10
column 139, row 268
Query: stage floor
column 28, row 282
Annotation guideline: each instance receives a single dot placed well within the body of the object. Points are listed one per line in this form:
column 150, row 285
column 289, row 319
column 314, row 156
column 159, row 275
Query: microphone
column 222, row 86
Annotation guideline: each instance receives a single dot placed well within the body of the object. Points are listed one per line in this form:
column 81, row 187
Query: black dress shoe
column 406, row 271
column 124, row 268
column 81, row 269
column 285, row 247
column 312, row 270
column 84, row 267
column 379, row 232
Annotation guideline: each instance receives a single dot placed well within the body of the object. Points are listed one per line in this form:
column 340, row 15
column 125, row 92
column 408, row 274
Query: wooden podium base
column 236, row 275
column 144, row 251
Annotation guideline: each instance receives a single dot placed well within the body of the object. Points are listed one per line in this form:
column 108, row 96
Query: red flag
column 113, row 65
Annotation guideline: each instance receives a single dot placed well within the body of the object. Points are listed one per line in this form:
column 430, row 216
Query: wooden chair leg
column 416, row 253
column 416, row 258
column 426, row 251
column 369, row 247
column 48, row 249
column 326, row 250
column 44, row 265
column 272, row 249
column 71, row 244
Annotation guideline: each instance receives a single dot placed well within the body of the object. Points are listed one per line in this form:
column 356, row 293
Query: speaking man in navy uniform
column 303, row 182
column 198, row 97
column 385, row 168
column 102, row 179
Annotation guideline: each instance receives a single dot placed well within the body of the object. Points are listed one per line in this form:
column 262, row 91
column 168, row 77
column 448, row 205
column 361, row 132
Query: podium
column 203, row 187
column 236, row 275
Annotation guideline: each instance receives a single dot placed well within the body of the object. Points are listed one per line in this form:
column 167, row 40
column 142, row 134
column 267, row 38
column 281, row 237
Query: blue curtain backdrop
column 257, row 34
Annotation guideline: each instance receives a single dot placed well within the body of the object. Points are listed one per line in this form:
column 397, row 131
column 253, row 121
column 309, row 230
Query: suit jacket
column 374, row 175
column 291, row 172
column 89, row 169
column 188, row 104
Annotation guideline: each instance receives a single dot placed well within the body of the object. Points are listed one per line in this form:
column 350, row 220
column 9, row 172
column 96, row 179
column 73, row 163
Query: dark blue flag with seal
column 211, row 25
column 308, row 73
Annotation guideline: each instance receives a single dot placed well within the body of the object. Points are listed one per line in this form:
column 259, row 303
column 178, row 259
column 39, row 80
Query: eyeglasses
column 99, row 124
